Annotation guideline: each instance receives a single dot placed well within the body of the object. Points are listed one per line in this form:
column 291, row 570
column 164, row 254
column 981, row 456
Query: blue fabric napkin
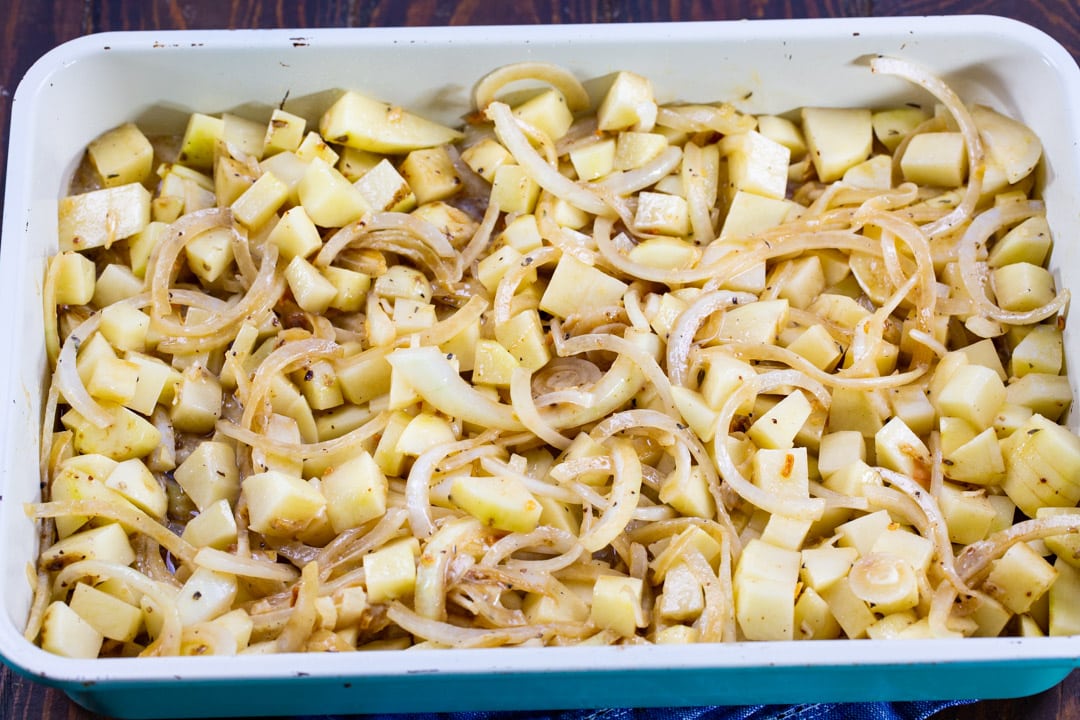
column 810, row 711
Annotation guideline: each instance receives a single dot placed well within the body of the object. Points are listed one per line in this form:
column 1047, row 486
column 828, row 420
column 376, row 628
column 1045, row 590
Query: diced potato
column 207, row 594
column 210, row 253
column 65, row 633
column 132, row 479
column 898, row 448
column 493, row 364
column 209, row 474
column 1040, row 351
column 1042, row 466
column 547, row 111
column 823, row 566
column 110, row 616
column 201, row 137
column 285, row 131
column 156, row 383
column 749, row 213
column 764, row 582
column 487, row 156
column 390, row 571
column 629, row 103
column 108, row 543
column 121, row 156
column 246, row 136
column 281, row 505
column 500, row 502
column 523, row 337
column 328, row 198
column 777, row 427
column 849, row 609
column 355, row 492
column 662, row 214
column 311, row 290
column 197, row 404
column 1028, row 242
column 364, row 376
column 385, row 189
column 350, row 286
column 758, row 322
column 367, row 124
column 756, row 164
column 872, row 174
column 576, row 287
column 561, row 605
column 594, row 160
column 837, row 139
column 617, row 604
column 101, row 217
column 1022, row 286
column 968, row 513
column 429, row 173
column 1064, row 593
column 1046, row 394
column 295, row 234
column 128, row 436
column 783, row 131
column 668, row 253
column 113, row 380
column 862, row 532
column 314, row 146
column 402, row 281
column 513, row 191
column 214, row 527
column 1019, row 577
column 723, row 375
column 689, row 494
column 892, row 125
column 935, row 158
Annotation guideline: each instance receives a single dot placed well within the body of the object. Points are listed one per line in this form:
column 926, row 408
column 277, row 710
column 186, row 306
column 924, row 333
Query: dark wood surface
column 29, row 28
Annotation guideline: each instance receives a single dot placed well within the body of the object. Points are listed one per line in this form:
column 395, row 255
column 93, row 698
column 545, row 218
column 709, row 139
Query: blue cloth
column 809, row 711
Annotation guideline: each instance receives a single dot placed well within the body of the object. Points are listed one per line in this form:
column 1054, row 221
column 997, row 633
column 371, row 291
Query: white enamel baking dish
column 89, row 85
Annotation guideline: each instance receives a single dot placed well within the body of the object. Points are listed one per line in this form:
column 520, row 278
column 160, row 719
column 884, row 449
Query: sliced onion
column 525, row 409
column 975, row 559
column 723, row 119
column 625, row 491
column 630, row 181
column 304, row 614
column 689, row 322
column 418, row 484
column 224, row 562
column 577, row 99
column 468, row 637
column 66, row 377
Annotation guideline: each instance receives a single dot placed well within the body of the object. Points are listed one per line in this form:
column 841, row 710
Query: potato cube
column 662, row 214
column 209, row 474
column 513, row 191
column 385, row 189
column 892, row 125
column 837, row 139
column 210, row 253
column 1028, row 242
column 260, row 201
column 328, row 198
column 968, row 513
column 101, row 217
column 486, row 156
column 214, row 527
column 197, row 404
column 207, row 594
column 401, row 281
column 500, row 502
column 108, row 543
column 978, row 461
column 757, row 322
column 110, row 616
column 617, row 604
column 898, row 448
column 749, row 213
column 689, row 493
column 493, row 364
column 281, row 505
column 777, row 427
column 1040, row 351
column 285, row 131
column 523, row 337
column 594, row 160
column 355, row 491
column 113, row 380
column 390, row 571
column 1046, row 394
column 547, row 111
column 634, row 149
column 1022, row 286
column 314, row 146
column 872, row 174
column 201, row 137
column 65, row 633
column 823, row 566
column 849, row 609
column 1019, row 578
column 156, row 382
column 132, row 479
column 1010, row 144
column 838, row 449
column 311, row 290
column 629, row 103
column 561, row 605
column 764, row 582
column 122, row 155
column 974, row 393
column 576, row 287
column 756, row 164
column 295, row 234
column 862, row 532
column 430, row 174
column 1042, row 466
column 935, row 158
column 128, row 436
column 364, row 376
column 785, row 132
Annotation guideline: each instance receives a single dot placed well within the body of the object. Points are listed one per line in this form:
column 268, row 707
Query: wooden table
column 28, row 28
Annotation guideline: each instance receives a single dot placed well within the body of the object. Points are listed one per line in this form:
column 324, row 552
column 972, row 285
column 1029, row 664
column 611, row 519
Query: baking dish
column 94, row 83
